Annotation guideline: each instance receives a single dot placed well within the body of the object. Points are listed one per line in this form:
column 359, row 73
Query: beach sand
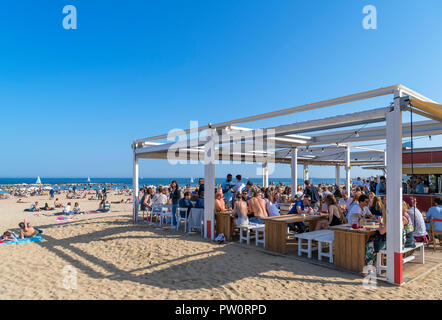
column 113, row 259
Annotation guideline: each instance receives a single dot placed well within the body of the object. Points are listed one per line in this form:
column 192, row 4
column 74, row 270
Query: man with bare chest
column 257, row 207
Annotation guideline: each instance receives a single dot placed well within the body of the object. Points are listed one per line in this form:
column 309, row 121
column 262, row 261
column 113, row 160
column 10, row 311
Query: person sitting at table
column 377, row 206
column 345, row 200
column 272, row 210
column 300, row 207
column 220, row 205
column 240, row 210
column 200, row 200
column 335, row 214
column 356, row 210
column 185, row 203
column 417, row 220
column 257, row 206
column 435, row 212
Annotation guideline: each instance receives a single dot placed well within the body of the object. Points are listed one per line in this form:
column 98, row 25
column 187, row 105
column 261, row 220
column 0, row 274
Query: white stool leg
column 330, row 252
column 422, row 254
column 319, row 250
column 309, row 248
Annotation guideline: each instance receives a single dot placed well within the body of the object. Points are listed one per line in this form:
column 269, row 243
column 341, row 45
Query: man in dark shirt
column 311, row 191
column 185, row 203
column 200, row 201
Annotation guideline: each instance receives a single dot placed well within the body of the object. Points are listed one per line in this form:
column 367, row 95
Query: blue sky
column 72, row 101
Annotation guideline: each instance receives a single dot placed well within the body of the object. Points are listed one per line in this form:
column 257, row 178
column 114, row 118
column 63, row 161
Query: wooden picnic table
column 224, row 224
column 349, row 245
column 276, row 229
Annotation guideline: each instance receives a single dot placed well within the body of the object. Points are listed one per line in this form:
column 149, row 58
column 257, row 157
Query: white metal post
column 294, row 171
column 394, row 192
column 338, row 175
column 347, row 170
column 265, row 174
column 305, row 171
column 209, row 187
column 135, row 188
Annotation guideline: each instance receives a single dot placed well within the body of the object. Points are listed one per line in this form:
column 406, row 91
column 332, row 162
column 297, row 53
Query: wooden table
column 276, row 229
column 224, row 224
column 349, row 246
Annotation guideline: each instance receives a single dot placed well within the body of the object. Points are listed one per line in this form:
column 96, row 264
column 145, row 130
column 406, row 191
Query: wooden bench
column 380, row 267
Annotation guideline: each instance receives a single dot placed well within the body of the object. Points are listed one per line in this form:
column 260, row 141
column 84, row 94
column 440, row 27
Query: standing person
column 237, row 189
column 104, row 193
column 381, row 187
column 311, row 191
column 373, row 184
column 201, row 184
column 227, row 189
column 175, row 196
column 51, row 192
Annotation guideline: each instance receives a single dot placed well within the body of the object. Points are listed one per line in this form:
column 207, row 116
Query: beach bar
column 332, row 141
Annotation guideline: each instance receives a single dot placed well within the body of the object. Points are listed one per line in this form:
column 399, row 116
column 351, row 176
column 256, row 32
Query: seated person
column 20, row 201
column 76, row 208
column 104, row 206
column 58, row 204
column 257, row 206
column 185, row 203
column 200, row 200
column 435, row 212
column 27, row 231
column 335, row 214
column 67, row 209
column 301, row 207
column 34, row 207
column 240, row 210
column 8, row 236
column 220, row 205
column 356, row 211
column 46, row 207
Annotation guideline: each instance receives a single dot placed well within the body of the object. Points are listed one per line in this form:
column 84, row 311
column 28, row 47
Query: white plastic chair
column 196, row 220
column 165, row 213
column 156, row 211
column 179, row 218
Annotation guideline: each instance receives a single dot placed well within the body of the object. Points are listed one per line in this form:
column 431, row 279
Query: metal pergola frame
column 306, row 143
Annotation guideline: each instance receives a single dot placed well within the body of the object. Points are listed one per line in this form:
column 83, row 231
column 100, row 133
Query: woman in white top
column 270, row 206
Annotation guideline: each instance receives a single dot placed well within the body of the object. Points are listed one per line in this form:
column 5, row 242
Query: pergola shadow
column 178, row 273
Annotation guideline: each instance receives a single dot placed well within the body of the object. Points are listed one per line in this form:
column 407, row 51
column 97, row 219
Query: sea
column 123, row 182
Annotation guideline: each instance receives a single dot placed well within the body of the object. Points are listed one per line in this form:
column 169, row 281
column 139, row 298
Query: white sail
column 38, row 181
column 191, row 180
column 88, row 179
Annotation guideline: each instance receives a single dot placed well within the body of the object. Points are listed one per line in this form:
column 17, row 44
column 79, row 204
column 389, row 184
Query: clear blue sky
column 72, row 101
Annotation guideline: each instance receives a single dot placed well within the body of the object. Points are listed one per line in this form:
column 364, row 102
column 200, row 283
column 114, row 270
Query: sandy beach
column 113, row 259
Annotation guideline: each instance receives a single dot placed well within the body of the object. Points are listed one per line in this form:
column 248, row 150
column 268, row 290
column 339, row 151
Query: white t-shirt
column 353, row 211
column 161, row 199
column 344, row 203
column 67, row 209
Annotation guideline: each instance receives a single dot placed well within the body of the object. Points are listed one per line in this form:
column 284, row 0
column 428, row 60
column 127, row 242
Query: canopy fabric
column 434, row 110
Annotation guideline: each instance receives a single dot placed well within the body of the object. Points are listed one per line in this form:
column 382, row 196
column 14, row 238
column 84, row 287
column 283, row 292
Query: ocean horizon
column 149, row 181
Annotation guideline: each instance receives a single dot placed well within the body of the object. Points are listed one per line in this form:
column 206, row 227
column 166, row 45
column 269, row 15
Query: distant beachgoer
column 27, row 231
column 57, row 204
column 8, row 236
column 67, row 209
column 76, row 208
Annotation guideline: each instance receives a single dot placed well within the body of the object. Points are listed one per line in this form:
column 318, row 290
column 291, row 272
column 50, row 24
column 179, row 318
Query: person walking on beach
column 175, row 196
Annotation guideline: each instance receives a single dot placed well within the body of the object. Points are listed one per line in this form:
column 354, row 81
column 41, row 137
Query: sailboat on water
column 88, row 179
column 38, row 180
column 191, row 180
